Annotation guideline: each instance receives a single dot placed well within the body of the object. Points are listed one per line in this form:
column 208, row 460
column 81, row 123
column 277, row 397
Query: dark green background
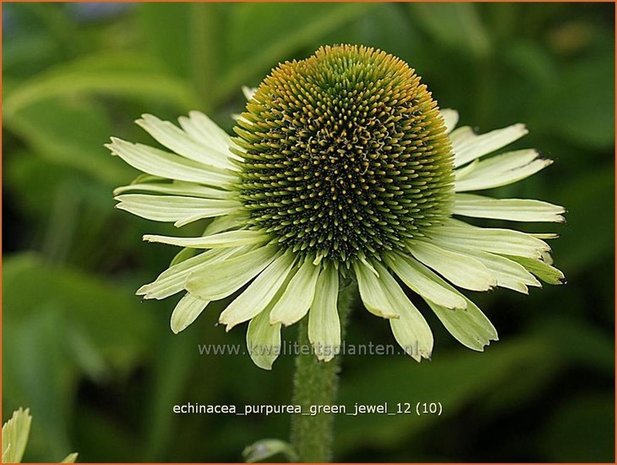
column 100, row 370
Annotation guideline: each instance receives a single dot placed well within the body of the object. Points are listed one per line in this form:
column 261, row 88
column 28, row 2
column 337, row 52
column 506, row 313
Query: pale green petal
column 372, row 293
column 460, row 269
column 470, row 327
column 450, row 118
column 477, row 206
column 410, row 330
column 15, row 434
column 70, row 458
column 169, row 208
column 501, row 170
column 224, row 239
column 159, row 163
column 224, row 223
column 182, row 143
column 263, row 340
column 421, row 280
column 324, row 326
column 508, row 273
column 206, row 131
column 186, row 311
column 259, row 294
column 297, row 297
column 224, row 278
column 495, row 240
column 187, row 189
column 542, row 270
column 469, row 146
column 172, row 280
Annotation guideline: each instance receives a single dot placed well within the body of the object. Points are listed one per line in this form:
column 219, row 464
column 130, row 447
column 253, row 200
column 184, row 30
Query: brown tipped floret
column 344, row 155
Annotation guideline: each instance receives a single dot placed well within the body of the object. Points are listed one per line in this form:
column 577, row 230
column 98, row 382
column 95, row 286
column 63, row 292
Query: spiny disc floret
column 344, row 155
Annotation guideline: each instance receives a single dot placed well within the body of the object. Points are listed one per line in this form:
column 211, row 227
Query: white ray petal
column 460, row 269
column 371, row 292
column 324, row 326
column 176, row 188
column 160, row 163
column 495, row 240
column 263, row 340
column 186, row 312
column 469, row 146
column 501, row 170
column 224, row 239
column 477, row 206
column 410, row 330
column 224, row 278
column 169, row 208
column 172, row 280
column 421, row 280
column 450, row 118
column 259, row 294
column 297, row 297
column 182, row 143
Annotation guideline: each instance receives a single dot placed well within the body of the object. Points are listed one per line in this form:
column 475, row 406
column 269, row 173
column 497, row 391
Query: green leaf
column 455, row 379
column 64, row 311
column 582, row 430
column 279, row 29
column 454, row 25
column 579, row 105
column 118, row 75
column 70, row 132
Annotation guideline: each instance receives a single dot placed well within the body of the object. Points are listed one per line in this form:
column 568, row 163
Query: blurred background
column 100, row 370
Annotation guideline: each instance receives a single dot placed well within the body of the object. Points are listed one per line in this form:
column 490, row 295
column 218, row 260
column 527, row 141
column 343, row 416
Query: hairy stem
column 316, row 383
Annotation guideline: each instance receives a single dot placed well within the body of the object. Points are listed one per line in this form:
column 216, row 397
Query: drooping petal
column 172, row 280
column 297, row 297
column 224, row 278
column 324, row 326
column 501, row 170
column 159, row 163
column 495, row 240
column 263, row 340
column 421, row 280
column 186, row 311
column 460, row 269
column 180, row 210
column 469, row 146
column 477, row 206
column 470, row 326
column 410, row 330
column 224, row 239
column 372, row 293
column 259, row 293
column 182, row 143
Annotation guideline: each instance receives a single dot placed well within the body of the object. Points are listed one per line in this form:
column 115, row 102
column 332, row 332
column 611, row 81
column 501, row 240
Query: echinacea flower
column 342, row 168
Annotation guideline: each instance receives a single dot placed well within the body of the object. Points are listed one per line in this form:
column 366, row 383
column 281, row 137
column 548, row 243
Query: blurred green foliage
column 100, row 370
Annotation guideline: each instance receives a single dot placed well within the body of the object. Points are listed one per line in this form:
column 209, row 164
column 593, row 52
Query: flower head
column 342, row 168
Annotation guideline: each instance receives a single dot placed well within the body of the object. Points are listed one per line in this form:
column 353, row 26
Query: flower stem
column 316, row 383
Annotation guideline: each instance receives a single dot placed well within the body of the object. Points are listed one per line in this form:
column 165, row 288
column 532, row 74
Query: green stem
column 316, row 383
